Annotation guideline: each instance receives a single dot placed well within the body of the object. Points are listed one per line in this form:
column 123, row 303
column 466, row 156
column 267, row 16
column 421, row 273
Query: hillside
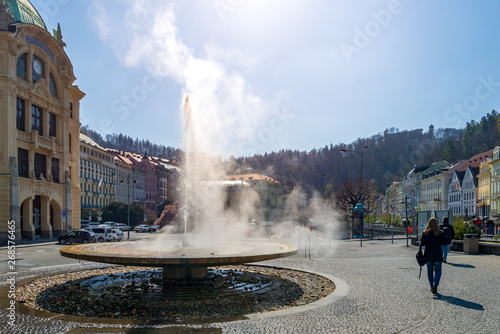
column 389, row 155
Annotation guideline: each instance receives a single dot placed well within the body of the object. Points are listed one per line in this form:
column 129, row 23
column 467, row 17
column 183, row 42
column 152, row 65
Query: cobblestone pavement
column 384, row 296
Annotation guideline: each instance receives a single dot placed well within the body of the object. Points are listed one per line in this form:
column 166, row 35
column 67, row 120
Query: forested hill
column 389, row 155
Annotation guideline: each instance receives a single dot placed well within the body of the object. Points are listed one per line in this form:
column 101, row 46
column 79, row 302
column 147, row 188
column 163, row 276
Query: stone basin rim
column 155, row 260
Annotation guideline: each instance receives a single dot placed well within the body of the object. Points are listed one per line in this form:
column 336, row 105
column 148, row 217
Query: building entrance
column 37, row 208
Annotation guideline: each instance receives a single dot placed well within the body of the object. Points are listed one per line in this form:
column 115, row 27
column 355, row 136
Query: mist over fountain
column 212, row 232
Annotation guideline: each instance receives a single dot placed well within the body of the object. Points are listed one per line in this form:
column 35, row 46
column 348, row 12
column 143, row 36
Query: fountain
column 178, row 262
column 189, row 260
column 200, row 272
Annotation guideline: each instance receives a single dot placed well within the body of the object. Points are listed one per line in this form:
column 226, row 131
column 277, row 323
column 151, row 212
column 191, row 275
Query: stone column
column 69, row 210
column 48, row 177
column 31, row 164
column 15, row 213
column 46, row 228
column 57, row 228
column 28, row 231
column 45, row 121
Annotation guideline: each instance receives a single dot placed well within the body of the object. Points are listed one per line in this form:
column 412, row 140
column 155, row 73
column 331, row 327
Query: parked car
column 103, row 232
column 123, row 227
column 154, row 228
column 142, row 228
column 77, row 236
column 112, row 224
column 117, row 234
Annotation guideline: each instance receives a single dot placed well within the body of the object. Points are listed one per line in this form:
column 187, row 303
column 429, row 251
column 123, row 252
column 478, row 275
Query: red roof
column 475, row 161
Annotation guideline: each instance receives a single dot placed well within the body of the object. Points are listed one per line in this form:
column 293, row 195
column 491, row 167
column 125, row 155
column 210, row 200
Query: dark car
column 78, row 236
column 154, row 228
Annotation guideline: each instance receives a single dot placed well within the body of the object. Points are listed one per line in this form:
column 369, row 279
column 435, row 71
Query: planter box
column 484, row 247
column 471, row 244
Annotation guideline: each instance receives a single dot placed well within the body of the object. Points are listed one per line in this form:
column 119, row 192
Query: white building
column 469, row 189
column 455, row 202
column 97, row 174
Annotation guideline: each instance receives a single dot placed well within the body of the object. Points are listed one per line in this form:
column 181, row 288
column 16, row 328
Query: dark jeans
column 434, row 272
column 446, row 249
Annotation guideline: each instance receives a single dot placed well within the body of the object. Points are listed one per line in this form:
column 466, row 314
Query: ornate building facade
column 39, row 128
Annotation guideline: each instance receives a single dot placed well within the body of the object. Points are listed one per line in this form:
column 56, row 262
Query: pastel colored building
column 484, row 188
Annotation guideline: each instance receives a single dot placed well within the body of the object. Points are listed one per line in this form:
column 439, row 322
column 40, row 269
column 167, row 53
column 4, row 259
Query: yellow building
column 39, row 110
column 495, row 184
column 483, row 191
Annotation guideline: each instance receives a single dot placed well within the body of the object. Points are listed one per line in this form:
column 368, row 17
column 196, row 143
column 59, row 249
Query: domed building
column 39, row 128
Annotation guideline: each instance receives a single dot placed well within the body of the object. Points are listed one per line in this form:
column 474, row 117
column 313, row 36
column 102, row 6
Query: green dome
column 23, row 11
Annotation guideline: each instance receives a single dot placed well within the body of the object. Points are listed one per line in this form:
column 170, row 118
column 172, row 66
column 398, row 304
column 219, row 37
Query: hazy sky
column 267, row 75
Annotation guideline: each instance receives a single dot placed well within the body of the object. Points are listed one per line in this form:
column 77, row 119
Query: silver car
column 117, row 234
column 123, row 227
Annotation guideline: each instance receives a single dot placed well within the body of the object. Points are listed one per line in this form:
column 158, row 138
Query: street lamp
column 343, row 150
column 128, row 204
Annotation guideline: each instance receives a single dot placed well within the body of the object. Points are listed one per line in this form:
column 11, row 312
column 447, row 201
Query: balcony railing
column 24, row 136
column 39, row 141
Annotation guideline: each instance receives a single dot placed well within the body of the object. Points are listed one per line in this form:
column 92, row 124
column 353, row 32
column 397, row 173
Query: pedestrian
column 490, row 226
column 449, row 234
column 432, row 240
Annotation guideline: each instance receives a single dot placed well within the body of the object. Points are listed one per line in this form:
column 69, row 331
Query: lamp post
column 406, row 220
column 128, row 204
column 360, row 179
column 361, row 169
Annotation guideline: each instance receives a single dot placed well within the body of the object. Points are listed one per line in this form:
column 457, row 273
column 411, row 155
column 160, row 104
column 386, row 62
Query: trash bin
column 471, row 243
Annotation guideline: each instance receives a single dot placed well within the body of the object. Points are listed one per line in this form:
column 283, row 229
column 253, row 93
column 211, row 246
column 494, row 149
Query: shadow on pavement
column 460, row 302
column 460, row 265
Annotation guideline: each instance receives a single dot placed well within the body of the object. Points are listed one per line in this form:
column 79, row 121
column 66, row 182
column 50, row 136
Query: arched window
column 52, row 85
column 21, row 67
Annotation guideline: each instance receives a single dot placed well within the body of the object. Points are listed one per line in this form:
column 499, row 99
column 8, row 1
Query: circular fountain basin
column 178, row 262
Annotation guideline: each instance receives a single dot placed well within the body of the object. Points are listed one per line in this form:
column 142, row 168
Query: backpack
column 422, row 260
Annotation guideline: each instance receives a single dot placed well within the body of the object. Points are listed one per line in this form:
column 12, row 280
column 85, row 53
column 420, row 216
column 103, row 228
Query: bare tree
column 351, row 193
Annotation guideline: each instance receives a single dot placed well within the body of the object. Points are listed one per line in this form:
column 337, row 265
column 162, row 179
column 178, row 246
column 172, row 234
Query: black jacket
column 450, row 234
column 432, row 243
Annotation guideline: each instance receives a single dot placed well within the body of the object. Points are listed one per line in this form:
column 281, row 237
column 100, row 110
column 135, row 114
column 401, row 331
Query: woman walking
column 432, row 240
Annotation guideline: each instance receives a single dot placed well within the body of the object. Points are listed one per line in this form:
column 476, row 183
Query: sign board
column 439, row 214
column 145, row 217
column 422, row 218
